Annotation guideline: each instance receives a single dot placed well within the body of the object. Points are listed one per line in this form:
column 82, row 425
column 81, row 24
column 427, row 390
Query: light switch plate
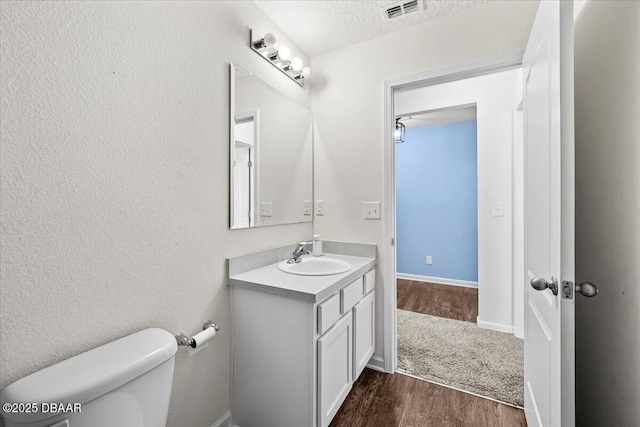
column 429, row 260
column 320, row 207
column 265, row 209
column 306, row 207
column 497, row 209
column 371, row 210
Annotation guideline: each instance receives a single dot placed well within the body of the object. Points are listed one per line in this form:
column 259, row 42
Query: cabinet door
column 364, row 333
column 334, row 369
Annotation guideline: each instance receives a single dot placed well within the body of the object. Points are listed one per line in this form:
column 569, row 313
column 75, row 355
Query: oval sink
column 312, row 266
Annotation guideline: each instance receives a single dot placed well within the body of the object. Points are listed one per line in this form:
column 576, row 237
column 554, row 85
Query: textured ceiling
column 321, row 26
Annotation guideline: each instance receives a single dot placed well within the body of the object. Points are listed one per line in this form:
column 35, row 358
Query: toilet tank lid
column 89, row 375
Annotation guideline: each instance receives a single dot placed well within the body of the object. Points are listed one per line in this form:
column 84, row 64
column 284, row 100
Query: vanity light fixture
column 399, row 132
column 279, row 57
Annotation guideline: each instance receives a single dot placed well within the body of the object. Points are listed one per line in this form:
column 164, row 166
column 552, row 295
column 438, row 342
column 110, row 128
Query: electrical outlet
column 265, row 209
column 320, row 207
column 371, row 210
column 306, row 207
column 429, row 260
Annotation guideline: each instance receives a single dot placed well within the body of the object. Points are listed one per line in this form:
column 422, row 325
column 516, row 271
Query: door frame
column 475, row 68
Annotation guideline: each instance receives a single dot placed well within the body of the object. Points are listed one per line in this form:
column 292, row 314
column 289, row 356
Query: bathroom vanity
column 299, row 342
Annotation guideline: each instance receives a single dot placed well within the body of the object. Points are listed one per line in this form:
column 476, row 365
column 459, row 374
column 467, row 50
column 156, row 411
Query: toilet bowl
column 125, row 383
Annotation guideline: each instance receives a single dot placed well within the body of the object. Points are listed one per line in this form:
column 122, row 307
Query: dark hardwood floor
column 452, row 302
column 382, row 400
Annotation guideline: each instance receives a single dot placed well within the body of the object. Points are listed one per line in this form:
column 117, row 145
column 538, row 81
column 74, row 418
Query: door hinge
column 250, row 163
column 567, row 289
column 393, row 241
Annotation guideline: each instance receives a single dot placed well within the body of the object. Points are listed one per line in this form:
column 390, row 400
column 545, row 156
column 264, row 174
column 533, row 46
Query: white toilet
column 125, row 383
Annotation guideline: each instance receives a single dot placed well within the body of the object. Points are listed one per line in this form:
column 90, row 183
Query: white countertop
column 270, row 279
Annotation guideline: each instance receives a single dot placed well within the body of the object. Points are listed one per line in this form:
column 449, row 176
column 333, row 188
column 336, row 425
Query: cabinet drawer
column 351, row 294
column 328, row 313
column 369, row 281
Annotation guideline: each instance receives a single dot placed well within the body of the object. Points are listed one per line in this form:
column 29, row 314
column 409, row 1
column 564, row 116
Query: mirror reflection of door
column 244, row 169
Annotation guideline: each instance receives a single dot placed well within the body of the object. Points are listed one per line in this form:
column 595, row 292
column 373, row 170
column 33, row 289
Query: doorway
column 459, row 328
column 245, row 166
column 437, row 200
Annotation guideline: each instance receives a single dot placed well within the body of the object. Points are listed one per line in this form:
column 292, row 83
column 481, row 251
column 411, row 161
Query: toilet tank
column 125, row 383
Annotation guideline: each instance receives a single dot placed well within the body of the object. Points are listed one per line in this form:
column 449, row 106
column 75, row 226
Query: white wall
column 607, row 105
column 348, row 107
column 495, row 98
column 115, row 177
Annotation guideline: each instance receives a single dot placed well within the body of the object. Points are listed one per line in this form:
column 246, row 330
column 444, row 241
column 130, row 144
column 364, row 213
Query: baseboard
column 224, row 421
column 376, row 363
column 495, row 326
column 438, row 280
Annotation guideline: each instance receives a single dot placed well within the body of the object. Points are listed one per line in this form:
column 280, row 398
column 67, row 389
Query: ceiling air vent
column 394, row 11
column 397, row 10
column 411, row 6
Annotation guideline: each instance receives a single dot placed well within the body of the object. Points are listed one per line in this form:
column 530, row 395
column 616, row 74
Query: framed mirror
column 271, row 155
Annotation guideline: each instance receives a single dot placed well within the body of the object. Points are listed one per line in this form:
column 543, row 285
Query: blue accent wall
column 437, row 201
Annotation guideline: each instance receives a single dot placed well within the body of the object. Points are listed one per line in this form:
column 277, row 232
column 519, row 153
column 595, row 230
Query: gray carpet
column 461, row 355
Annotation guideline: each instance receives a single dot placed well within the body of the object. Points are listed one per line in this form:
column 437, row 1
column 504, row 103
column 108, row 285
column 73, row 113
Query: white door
column 549, row 217
column 364, row 339
column 334, row 369
column 242, row 186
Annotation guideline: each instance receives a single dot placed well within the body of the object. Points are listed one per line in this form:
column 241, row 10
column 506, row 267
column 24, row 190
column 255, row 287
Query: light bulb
column 296, row 64
column 269, row 40
column 284, row 53
column 396, row 134
column 306, row 72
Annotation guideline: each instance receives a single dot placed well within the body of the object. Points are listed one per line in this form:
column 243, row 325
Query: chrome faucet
column 298, row 252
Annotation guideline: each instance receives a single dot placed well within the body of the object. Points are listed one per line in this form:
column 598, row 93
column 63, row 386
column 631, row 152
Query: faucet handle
column 301, row 245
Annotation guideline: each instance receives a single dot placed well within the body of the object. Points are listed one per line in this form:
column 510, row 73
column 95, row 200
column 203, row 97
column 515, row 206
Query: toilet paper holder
column 189, row 341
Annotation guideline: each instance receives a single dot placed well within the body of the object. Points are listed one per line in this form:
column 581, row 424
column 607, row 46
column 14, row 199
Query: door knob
column 587, row 289
column 540, row 284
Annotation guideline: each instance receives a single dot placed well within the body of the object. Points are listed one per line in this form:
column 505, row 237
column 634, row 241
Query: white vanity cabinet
column 345, row 349
column 295, row 361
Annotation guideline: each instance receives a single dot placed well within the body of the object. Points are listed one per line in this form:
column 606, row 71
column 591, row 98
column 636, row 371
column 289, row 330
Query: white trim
column 376, row 363
column 388, row 250
column 438, row 280
column 517, row 209
column 494, row 326
column 224, row 421
column 475, row 68
column 232, row 138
